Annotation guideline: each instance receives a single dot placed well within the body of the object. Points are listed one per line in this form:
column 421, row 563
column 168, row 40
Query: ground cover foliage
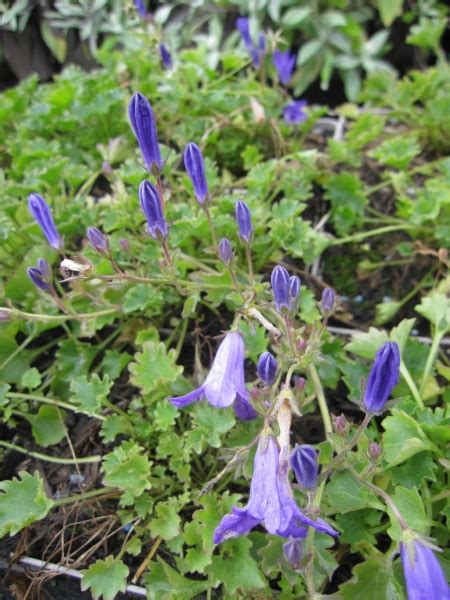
column 100, row 471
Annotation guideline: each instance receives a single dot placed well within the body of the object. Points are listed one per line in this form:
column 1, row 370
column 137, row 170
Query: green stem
column 51, row 459
column 412, row 386
column 357, row 237
column 211, row 226
column 15, row 312
column 23, row 345
column 106, row 491
column 248, row 253
column 309, row 546
column 430, row 360
column 52, row 401
column 321, row 400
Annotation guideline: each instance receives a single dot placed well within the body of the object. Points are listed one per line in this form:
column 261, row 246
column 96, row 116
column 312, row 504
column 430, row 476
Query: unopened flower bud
column 300, row 383
column 301, row 346
column 98, row 240
column 383, row 377
column 225, row 251
column 124, row 245
column 374, row 451
column 195, row 167
column 107, row 170
column 341, row 425
column 327, row 301
column 244, row 221
column 143, row 124
column 151, row 207
column 293, row 551
column 281, row 288
column 255, row 393
column 166, row 57
column 305, row 466
column 41, row 213
column 295, row 292
column 40, row 275
column 267, row 368
column 4, row 316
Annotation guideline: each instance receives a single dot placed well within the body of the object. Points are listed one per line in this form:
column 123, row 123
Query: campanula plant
column 41, row 213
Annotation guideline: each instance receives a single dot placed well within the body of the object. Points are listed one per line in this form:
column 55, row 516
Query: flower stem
column 248, row 253
column 51, row 459
column 52, row 401
column 106, row 491
column 321, row 400
column 412, row 386
column 430, row 360
column 357, row 237
column 211, row 225
column 14, row 312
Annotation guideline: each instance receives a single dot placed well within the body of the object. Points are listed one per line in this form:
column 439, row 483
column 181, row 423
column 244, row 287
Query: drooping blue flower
column 41, row 275
column 281, row 288
column 151, row 207
column 327, row 301
column 305, row 466
column 256, row 52
column 267, row 368
column 98, row 240
column 166, row 57
column 294, row 113
column 383, row 377
column 41, row 213
column 225, row 251
column 195, row 167
column 424, row 577
column 271, row 501
column 284, row 63
column 244, row 221
column 293, row 551
column 143, row 123
column 225, row 385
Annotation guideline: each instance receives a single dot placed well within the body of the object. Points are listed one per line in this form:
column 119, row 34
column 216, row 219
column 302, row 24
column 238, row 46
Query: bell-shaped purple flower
column 284, row 63
column 195, row 167
column 293, row 551
column 225, row 385
column 244, row 221
column 281, row 288
column 225, row 251
column 41, row 275
column 383, row 377
column 166, row 57
column 304, row 464
column 42, row 214
column 271, row 501
column 327, row 301
column 143, row 123
column 257, row 53
column 424, row 577
column 98, row 240
column 294, row 113
column 267, row 368
column 295, row 292
column 151, row 207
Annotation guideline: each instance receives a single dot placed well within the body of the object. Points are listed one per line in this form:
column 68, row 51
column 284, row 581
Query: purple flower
column 281, row 288
column 295, row 292
column 271, row 501
column 143, row 123
column 98, row 240
column 151, row 207
column 304, row 464
column 42, row 214
column 142, row 11
column 293, row 551
column 166, row 57
column 383, row 377
column 424, row 577
column 41, row 275
column 243, row 26
column 225, row 384
column 293, row 113
column 244, row 221
column 284, row 63
column 225, row 251
column 327, row 301
column 267, row 368
column 195, row 167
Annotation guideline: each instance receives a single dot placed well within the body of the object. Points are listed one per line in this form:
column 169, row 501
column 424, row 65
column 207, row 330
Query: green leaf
column 144, row 298
column 348, row 202
column 164, row 583
column 31, row 379
column 105, row 578
column 90, row 395
column 427, row 33
column 356, row 527
column 48, row 425
column 403, row 437
column 436, row 308
column 415, row 470
column 397, row 152
column 236, row 568
column 372, row 580
column 345, row 494
column 254, row 338
column 127, row 468
column 167, row 523
column 389, row 10
column 154, row 367
column 22, row 502
column 366, row 344
column 410, row 505
column 294, row 16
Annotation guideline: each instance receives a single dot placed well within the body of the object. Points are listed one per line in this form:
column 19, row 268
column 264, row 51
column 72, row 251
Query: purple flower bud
column 143, row 123
column 295, row 292
column 383, row 377
column 374, row 451
column 425, row 579
column 327, row 301
column 300, row 383
column 151, row 207
column 267, row 368
column 281, row 288
column 166, row 58
column 124, row 245
column 44, row 268
column 195, row 167
column 106, row 168
column 42, row 214
column 293, row 551
column 4, row 316
column 244, row 221
column 293, row 113
column 98, row 240
column 284, row 63
column 305, row 466
column 225, row 251
column 341, row 425
column 39, row 278
column 243, row 26
column 142, row 11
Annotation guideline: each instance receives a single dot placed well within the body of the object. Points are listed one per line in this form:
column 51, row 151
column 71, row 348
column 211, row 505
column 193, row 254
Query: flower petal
column 243, row 409
column 182, row 401
column 238, row 523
